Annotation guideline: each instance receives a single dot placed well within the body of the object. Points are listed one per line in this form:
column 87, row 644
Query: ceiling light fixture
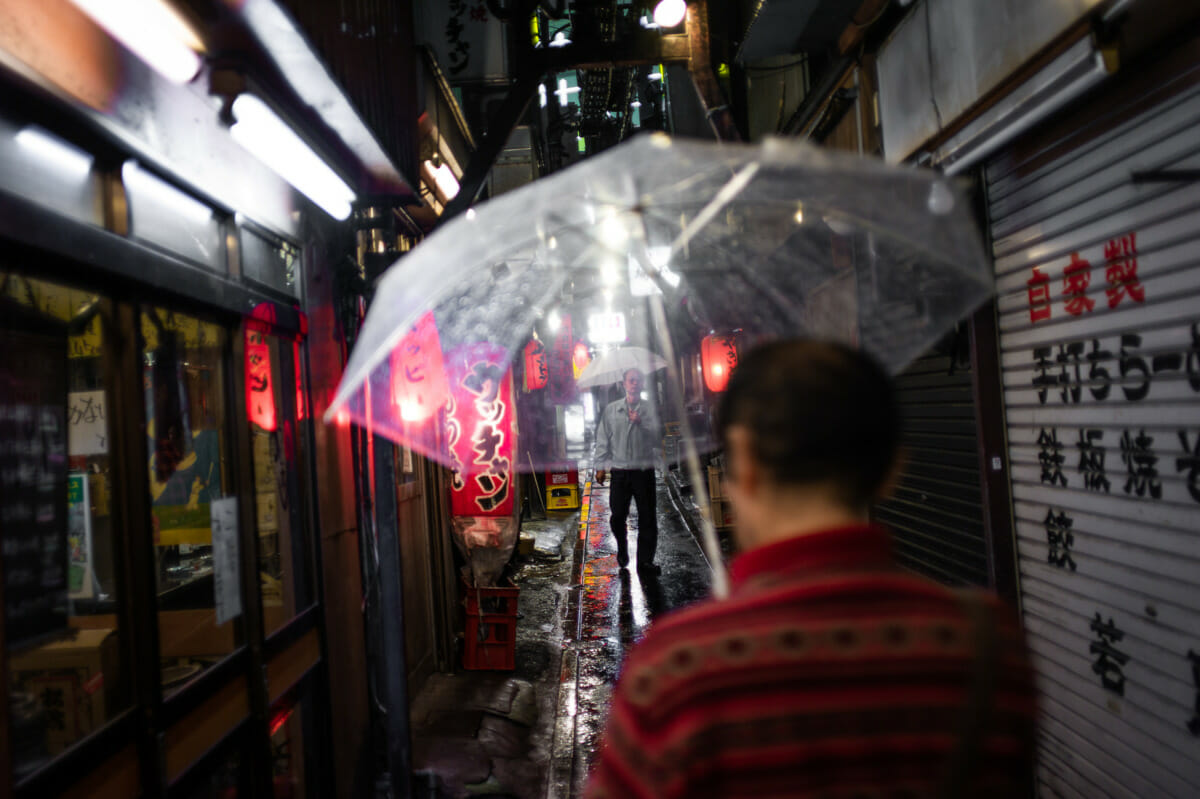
column 52, row 150
column 151, row 30
column 272, row 141
column 669, row 13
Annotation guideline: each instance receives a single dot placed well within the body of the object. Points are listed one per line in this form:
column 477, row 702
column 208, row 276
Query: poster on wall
column 79, row 537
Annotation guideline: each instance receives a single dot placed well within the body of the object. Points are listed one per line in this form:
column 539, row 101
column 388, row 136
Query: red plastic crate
column 491, row 642
column 500, row 600
column 491, row 634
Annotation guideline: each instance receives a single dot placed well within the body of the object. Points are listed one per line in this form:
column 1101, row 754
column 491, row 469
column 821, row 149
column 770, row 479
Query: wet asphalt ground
column 533, row 731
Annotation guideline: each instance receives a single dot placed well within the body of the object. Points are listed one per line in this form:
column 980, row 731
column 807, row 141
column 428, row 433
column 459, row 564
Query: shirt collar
column 813, row 554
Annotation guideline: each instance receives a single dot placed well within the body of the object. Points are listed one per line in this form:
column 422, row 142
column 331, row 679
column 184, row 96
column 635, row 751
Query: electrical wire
column 760, row 71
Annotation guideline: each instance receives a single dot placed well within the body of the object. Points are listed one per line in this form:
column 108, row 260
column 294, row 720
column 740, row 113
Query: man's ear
column 893, row 476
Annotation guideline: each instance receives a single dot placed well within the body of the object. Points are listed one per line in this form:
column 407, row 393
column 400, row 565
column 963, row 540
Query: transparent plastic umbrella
column 658, row 243
column 610, row 367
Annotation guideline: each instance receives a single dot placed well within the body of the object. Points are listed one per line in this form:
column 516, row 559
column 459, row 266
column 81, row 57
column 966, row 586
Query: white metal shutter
column 1098, row 283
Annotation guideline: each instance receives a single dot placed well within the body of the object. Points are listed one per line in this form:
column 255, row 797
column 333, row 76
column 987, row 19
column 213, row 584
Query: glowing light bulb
column 670, row 13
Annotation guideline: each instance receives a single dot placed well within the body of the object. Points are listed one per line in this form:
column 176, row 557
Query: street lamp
column 669, row 13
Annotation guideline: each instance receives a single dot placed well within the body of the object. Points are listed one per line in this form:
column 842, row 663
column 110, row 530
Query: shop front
column 165, row 605
column 1084, row 152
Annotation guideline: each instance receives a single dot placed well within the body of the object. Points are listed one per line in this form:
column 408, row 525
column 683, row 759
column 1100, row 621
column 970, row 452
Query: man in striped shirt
column 828, row 671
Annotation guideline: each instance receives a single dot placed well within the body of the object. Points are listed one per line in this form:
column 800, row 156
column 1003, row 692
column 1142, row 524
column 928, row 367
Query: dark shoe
column 649, row 569
column 622, row 556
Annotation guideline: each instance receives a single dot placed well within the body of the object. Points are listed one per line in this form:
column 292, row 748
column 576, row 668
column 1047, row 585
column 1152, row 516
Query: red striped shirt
column 827, row 672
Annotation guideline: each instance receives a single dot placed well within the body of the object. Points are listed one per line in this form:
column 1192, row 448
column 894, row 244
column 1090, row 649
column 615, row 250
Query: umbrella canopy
column 656, row 243
column 610, row 367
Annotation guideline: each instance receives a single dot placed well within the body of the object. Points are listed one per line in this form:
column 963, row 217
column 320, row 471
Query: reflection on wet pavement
column 532, row 732
column 617, row 606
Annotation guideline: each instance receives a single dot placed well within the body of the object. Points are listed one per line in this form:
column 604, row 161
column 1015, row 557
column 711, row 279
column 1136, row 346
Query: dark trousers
column 638, row 485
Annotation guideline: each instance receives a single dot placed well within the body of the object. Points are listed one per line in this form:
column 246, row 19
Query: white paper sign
column 227, row 586
column 87, row 423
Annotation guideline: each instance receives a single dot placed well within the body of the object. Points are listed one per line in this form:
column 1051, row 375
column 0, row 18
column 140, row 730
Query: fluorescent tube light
column 153, row 31
column 52, row 150
column 273, row 142
column 443, row 177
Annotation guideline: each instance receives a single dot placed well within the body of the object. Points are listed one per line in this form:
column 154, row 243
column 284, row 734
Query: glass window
column 42, row 168
column 290, row 731
column 271, row 262
column 193, row 501
column 278, row 452
column 61, row 575
column 163, row 215
column 221, row 781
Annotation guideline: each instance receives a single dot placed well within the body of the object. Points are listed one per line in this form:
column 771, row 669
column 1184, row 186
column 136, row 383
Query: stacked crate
column 491, row 634
column 722, row 510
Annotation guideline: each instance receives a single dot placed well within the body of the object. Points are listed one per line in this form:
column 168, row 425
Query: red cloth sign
column 537, row 371
column 419, row 387
column 260, row 396
column 481, row 431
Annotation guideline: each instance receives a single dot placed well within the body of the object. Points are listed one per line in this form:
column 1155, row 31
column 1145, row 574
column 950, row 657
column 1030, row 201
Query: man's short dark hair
column 816, row 412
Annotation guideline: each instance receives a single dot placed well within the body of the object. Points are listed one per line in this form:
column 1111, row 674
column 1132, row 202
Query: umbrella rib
column 721, row 199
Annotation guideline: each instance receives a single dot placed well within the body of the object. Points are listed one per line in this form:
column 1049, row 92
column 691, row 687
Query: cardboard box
column 73, row 679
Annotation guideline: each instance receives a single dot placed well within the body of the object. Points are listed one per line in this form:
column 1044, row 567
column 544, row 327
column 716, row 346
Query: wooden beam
column 868, row 13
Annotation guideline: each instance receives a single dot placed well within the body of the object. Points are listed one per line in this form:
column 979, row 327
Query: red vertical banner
column 418, row 374
column 537, row 371
column 298, row 364
column 260, row 395
column 481, row 431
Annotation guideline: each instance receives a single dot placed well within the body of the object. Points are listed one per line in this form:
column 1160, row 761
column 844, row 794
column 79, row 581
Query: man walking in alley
column 828, row 671
column 625, row 439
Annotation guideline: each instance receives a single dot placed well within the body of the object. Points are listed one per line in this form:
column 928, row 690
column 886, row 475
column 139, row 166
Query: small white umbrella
column 610, row 367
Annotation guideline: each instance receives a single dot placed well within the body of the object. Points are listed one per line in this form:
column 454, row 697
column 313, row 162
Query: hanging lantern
column 580, row 358
column 718, row 357
column 418, row 374
column 537, row 370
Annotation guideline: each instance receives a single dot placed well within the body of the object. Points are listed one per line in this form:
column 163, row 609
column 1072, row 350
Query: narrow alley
column 532, row 732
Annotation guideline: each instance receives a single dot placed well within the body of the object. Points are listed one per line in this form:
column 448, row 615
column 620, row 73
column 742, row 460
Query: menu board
column 33, row 473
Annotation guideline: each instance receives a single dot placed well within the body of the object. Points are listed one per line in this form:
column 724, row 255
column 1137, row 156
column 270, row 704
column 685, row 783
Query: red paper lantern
column 718, row 357
column 537, row 370
column 580, row 358
column 419, row 386
column 481, row 431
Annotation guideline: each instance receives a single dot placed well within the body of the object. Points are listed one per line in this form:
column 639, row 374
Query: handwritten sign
column 87, row 423
column 227, row 586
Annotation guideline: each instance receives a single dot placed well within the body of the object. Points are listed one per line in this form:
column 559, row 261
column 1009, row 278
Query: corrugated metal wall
column 1098, row 279
column 935, row 513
